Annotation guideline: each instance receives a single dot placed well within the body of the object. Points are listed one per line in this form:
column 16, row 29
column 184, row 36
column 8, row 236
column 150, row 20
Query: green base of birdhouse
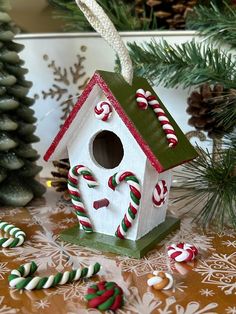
column 112, row 244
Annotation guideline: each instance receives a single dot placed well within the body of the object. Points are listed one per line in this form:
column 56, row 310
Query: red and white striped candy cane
column 135, row 194
column 182, row 252
column 161, row 116
column 141, row 99
column 75, row 195
column 103, row 110
column 159, row 194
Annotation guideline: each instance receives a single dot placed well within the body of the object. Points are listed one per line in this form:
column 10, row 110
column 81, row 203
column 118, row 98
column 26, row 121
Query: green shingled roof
column 146, row 122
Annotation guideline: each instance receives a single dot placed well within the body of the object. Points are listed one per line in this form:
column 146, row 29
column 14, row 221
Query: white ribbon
column 103, row 25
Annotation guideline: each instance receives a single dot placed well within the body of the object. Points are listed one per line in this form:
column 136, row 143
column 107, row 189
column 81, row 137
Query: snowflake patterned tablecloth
column 205, row 286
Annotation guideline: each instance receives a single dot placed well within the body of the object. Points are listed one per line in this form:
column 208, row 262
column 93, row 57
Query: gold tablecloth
column 207, row 285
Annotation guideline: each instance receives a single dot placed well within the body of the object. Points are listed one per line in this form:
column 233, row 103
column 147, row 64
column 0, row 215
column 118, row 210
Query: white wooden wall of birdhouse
column 151, row 216
column 107, row 147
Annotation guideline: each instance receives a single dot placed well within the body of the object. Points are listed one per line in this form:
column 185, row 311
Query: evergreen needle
column 123, row 15
column 213, row 184
column 187, row 64
column 215, row 23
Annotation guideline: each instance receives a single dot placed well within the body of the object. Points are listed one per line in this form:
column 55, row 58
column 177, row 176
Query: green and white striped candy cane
column 75, row 194
column 17, row 235
column 135, row 196
column 22, row 278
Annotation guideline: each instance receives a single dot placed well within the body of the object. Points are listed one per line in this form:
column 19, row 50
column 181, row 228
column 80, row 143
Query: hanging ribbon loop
column 103, row 25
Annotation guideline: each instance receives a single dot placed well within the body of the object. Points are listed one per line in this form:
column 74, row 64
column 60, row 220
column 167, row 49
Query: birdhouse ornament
column 122, row 144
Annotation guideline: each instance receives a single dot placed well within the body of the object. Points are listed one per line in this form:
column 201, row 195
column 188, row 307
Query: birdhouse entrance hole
column 107, row 149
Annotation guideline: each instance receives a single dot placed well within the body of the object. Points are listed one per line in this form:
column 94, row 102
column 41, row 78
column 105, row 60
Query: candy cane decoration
column 103, row 110
column 159, row 194
column 182, row 252
column 146, row 98
column 141, row 99
column 18, row 236
column 76, row 196
column 161, row 116
column 135, row 195
column 21, row 278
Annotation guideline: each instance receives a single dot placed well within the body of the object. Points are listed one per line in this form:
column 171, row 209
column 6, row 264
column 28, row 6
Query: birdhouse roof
column 143, row 124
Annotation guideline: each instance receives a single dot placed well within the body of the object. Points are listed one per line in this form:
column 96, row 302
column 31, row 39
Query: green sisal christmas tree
column 17, row 157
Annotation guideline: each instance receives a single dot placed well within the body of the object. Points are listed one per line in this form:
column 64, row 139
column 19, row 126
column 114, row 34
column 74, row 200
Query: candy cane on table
column 141, row 99
column 75, row 195
column 135, row 194
column 159, row 194
column 18, row 236
column 21, row 278
column 161, row 116
column 103, row 110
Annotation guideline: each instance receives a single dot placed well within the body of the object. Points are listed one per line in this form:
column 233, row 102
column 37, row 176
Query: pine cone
column 59, row 180
column 170, row 14
column 204, row 105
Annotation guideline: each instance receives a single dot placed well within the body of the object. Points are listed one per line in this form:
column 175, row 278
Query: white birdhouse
column 122, row 144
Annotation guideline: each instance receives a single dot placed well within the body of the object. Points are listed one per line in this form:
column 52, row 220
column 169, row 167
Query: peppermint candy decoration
column 182, row 252
column 144, row 98
column 21, row 278
column 135, row 194
column 141, row 99
column 17, row 235
column 159, row 194
column 75, row 195
column 103, row 110
column 160, row 280
column 105, row 296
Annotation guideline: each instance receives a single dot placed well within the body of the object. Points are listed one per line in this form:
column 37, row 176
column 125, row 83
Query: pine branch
column 225, row 111
column 215, row 23
column 186, row 64
column 212, row 182
column 68, row 11
column 230, row 141
column 122, row 14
